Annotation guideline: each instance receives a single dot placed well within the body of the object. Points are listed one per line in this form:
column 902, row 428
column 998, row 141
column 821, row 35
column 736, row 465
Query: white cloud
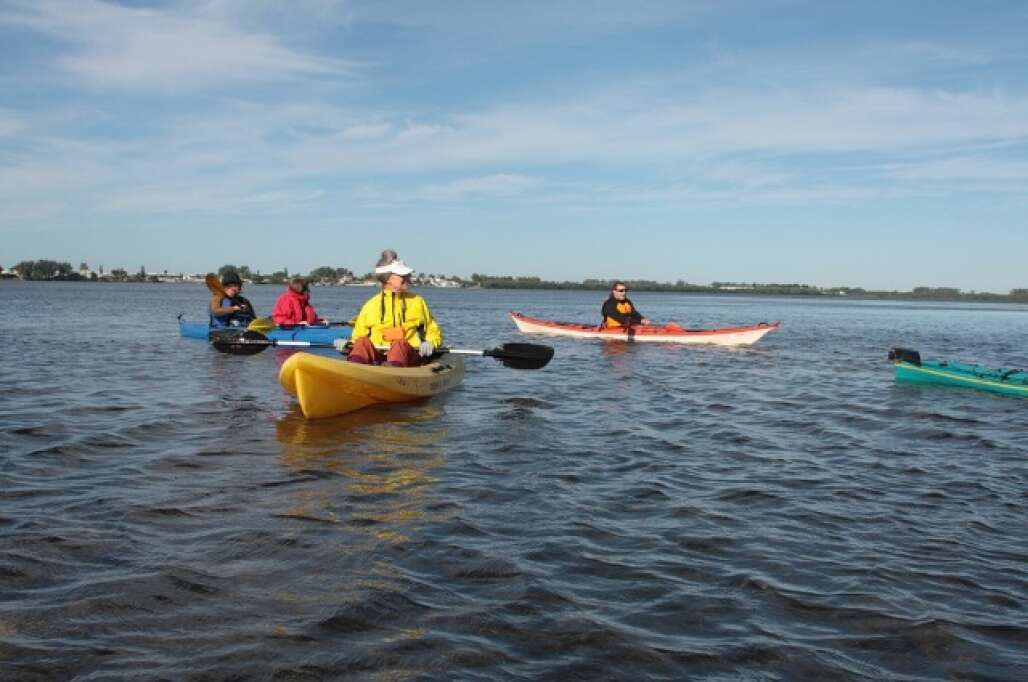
column 496, row 185
column 962, row 168
column 367, row 131
column 703, row 127
column 118, row 46
column 10, row 123
column 502, row 22
column 153, row 199
column 945, row 53
column 788, row 147
column 744, row 174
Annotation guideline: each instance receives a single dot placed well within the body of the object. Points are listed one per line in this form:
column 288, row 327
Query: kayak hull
column 314, row 334
column 1005, row 382
column 327, row 387
column 728, row 336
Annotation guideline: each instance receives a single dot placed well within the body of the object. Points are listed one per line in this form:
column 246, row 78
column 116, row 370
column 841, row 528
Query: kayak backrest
column 905, row 355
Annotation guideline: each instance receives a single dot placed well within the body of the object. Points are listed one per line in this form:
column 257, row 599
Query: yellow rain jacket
column 406, row 310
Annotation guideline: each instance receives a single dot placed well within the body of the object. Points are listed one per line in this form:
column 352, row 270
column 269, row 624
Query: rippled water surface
column 629, row 512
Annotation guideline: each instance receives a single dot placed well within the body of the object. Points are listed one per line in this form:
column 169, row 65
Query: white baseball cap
column 397, row 267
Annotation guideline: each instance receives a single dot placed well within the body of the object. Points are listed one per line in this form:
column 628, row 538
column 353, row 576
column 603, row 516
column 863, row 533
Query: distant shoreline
column 52, row 270
column 812, row 293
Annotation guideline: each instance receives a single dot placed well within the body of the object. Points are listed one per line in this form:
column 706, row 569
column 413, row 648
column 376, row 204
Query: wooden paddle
column 214, row 285
column 513, row 355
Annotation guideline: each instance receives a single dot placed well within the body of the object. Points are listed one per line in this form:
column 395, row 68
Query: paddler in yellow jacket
column 618, row 310
column 395, row 318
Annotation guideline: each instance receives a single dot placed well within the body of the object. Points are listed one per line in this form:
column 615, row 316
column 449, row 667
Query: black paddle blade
column 239, row 342
column 522, row 355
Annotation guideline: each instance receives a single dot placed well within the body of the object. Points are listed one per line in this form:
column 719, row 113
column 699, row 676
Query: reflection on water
column 379, row 428
column 380, row 460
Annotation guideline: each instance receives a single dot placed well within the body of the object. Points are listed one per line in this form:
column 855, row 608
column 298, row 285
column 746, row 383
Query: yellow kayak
column 327, row 387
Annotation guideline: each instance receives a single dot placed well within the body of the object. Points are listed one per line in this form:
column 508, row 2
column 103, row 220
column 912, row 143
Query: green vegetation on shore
column 749, row 289
column 63, row 271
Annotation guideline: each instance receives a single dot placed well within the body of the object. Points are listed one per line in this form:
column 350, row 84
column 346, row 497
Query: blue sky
column 875, row 144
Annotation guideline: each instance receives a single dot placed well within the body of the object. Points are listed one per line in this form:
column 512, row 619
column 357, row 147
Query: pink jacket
column 293, row 308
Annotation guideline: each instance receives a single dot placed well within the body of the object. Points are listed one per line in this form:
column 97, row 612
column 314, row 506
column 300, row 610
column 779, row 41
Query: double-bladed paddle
column 249, row 342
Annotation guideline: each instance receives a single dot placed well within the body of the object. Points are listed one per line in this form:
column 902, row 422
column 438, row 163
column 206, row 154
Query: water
column 629, row 512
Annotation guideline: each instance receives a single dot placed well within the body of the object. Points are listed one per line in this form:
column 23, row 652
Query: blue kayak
column 313, row 333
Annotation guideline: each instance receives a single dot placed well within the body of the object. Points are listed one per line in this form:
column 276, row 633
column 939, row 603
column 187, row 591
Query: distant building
column 170, row 278
column 445, row 281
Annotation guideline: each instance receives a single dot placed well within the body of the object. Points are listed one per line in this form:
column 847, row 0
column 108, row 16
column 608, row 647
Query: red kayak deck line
column 671, row 333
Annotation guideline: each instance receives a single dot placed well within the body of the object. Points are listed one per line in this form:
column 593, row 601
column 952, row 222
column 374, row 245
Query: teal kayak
column 910, row 368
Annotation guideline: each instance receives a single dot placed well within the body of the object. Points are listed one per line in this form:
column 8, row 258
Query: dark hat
column 231, row 277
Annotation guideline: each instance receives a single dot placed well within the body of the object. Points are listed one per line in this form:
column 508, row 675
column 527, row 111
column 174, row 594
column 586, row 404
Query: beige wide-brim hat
column 397, row 267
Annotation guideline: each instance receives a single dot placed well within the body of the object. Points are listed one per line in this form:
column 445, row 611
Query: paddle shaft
column 316, row 344
column 300, row 344
column 294, row 327
column 319, row 344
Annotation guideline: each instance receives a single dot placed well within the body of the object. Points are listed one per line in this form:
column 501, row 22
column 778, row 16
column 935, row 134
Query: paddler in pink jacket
column 293, row 307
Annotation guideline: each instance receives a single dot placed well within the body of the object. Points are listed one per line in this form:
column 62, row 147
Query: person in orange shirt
column 618, row 310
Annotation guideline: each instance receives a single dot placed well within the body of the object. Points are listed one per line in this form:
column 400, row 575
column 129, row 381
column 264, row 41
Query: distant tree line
column 324, row 274
column 63, row 271
column 45, row 269
column 520, row 282
column 507, row 282
column 745, row 288
column 42, row 270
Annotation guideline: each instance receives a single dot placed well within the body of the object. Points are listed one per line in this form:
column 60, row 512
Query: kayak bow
column 326, row 387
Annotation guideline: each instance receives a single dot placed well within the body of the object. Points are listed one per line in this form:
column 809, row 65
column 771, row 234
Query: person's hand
column 426, row 349
column 644, row 321
column 341, row 345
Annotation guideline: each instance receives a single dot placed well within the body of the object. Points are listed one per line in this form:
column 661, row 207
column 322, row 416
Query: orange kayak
column 669, row 333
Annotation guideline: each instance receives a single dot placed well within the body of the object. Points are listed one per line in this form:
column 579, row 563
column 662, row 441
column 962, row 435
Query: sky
column 873, row 144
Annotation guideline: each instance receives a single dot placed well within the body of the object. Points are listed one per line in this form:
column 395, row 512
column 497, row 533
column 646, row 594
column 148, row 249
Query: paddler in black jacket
column 618, row 311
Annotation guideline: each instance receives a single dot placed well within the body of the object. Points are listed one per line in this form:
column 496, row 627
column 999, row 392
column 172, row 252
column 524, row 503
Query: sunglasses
column 620, row 291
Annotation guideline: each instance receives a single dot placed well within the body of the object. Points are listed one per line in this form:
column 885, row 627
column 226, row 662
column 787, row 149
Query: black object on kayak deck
column 905, row 355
